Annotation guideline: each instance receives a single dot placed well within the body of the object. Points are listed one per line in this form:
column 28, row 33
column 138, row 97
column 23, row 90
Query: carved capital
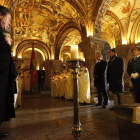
column 92, row 45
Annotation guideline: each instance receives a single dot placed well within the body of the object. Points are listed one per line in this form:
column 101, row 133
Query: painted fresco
column 137, row 39
column 43, row 20
column 73, row 38
column 111, row 28
column 122, row 8
column 127, row 12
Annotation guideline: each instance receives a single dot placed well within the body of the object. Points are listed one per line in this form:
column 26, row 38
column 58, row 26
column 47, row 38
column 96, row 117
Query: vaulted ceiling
column 121, row 24
column 116, row 21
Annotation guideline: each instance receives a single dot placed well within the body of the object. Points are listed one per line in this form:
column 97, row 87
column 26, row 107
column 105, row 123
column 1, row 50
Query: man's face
column 136, row 52
column 5, row 21
column 98, row 57
column 8, row 39
column 111, row 53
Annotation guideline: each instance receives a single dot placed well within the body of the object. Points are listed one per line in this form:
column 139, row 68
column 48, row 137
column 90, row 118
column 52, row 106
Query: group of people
column 112, row 73
column 62, row 84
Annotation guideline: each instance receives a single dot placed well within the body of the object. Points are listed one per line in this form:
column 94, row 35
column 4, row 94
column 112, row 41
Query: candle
column 74, row 51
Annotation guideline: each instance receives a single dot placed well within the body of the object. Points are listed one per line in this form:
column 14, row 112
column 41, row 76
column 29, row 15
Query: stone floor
column 44, row 118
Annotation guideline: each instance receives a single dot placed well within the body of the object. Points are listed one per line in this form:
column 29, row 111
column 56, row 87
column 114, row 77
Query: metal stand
column 76, row 129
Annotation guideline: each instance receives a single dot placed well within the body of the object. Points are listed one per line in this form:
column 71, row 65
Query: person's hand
column 132, row 75
column 135, row 75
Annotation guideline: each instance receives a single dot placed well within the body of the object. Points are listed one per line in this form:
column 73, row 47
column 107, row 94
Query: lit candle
column 74, row 51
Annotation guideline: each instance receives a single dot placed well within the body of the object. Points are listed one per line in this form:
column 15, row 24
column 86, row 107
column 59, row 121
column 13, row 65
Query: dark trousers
column 136, row 87
column 102, row 96
column 41, row 86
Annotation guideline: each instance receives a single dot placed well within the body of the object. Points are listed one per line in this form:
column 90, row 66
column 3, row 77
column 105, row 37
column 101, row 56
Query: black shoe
column 104, row 106
column 98, row 105
column 111, row 108
column 3, row 135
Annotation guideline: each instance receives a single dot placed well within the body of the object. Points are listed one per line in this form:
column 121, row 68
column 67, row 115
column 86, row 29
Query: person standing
column 133, row 70
column 100, row 81
column 41, row 79
column 27, row 80
column 6, row 95
column 62, row 83
column 84, row 84
column 69, row 83
column 14, row 73
column 115, row 73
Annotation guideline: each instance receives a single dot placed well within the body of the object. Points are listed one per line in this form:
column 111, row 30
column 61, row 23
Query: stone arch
column 62, row 34
column 117, row 19
column 133, row 30
column 24, row 45
column 98, row 21
column 79, row 9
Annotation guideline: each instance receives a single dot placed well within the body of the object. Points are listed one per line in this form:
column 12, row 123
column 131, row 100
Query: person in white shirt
column 69, row 83
column 84, row 84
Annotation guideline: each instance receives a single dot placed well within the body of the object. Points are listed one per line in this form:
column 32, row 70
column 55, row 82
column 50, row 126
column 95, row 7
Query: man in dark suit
column 100, row 81
column 6, row 70
column 133, row 69
column 115, row 73
column 41, row 78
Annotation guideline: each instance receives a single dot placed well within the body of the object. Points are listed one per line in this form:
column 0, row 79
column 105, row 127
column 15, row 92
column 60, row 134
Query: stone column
column 51, row 66
column 90, row 47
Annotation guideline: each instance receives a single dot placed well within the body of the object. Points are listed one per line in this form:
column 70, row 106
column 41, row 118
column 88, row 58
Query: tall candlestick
column 74, row 51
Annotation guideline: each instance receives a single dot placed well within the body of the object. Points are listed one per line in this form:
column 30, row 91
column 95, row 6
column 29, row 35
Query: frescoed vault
column 116, row 21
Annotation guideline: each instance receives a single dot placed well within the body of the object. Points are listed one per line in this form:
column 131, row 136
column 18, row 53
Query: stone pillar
column 51, row 66
column 90, row 47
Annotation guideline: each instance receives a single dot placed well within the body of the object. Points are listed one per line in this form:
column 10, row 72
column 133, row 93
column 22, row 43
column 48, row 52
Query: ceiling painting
column 43, row 20
column 127, row 12
column 73, row 38
column 122, row 8
column 111, row 28
column 137, row 36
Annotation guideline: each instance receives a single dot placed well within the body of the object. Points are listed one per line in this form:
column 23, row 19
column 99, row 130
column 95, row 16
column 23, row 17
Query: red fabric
column 33, row 70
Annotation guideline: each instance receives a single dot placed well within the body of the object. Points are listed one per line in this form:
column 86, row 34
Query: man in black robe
column 6, row 95
column 115, row 73
column 100, row 81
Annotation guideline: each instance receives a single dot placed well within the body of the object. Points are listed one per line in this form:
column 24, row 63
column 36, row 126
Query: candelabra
column 76, row 129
